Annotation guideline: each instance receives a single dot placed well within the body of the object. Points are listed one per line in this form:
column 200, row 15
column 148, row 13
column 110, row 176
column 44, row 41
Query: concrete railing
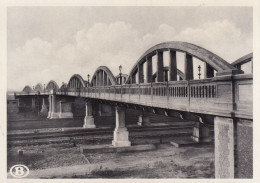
column 229, row 96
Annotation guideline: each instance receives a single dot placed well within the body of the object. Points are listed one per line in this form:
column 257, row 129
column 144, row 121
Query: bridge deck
column 229, row 96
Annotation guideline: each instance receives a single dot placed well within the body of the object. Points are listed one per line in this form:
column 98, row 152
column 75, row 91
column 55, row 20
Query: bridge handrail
column 221, row 95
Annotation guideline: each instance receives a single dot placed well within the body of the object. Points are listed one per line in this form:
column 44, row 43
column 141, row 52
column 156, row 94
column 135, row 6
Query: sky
column 53, row 43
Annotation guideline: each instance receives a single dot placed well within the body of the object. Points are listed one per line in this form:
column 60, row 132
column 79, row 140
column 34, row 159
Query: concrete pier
column 120, row 134
column 89, row 119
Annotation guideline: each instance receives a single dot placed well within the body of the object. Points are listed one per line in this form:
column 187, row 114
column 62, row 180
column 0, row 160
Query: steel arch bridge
column 222, row 97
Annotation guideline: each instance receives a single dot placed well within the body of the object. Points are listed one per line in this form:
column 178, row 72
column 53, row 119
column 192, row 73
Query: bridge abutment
column 120, row 133
column 89, row 119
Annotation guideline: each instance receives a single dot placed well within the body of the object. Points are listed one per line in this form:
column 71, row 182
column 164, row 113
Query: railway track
column 98, row 135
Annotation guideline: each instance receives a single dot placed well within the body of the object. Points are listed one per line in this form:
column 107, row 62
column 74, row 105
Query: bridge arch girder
column 63, row 86
column 27, row 89
column 214, row 61
column 52, row 85
column 76, row 81
column 243, row 60
column 38, row 88
column 101, row 72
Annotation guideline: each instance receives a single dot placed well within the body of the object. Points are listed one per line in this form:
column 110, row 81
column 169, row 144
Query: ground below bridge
column 47, row 161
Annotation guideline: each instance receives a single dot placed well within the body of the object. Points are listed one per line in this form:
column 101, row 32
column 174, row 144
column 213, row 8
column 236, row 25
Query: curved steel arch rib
column 38, row 87
column 216, row 62
column 243, row 60
column 52, row 85
column 180, row 73
column 79, row 79
column 108, row 72
column 63, row 86
column 27, row 89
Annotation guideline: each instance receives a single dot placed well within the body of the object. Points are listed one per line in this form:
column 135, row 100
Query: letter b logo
column 19, row 171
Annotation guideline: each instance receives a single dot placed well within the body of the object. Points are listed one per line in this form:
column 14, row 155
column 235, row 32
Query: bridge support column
column 101, row 82
column 49, row 113
column 244, row 149
column 165, row 73
column 173, row 65
column 89, row 119
column 33, row 103
column 141, row 73
column 149, row 70
column 65, row 110
column 224, row 147
column 120, row 134
column 54, row 114
column 133, row 78
column 159, row 56
column 200, row 132
column 99, row 109
column 97, row 79
column 143, row 120
column 105, row 79
column 94, row 81
column 208, row 71
column 44, row 109
column 188, row 67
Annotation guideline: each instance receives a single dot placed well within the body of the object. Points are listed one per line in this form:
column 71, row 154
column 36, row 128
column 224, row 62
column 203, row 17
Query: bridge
column 222, row 97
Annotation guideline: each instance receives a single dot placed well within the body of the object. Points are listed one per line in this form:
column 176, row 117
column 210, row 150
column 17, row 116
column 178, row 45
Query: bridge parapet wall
column 229, row 96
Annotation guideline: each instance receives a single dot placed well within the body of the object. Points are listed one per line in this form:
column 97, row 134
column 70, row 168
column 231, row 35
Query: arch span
column 52, row 85
column 243, row 60
column 63, row 86
column 103, row 76
column 27, row 89
column 76, row 81
column 38, row 87
column 215, row 62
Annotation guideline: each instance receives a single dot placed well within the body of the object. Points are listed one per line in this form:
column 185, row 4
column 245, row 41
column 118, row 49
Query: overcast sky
column 53, row 43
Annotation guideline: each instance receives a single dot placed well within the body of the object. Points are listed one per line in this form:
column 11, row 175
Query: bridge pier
column 65, row 110
column 89, row 119
column 200, row 132
column 33, row 103
column 120, row 134
column 143, row 120
column 49, row 113
column 54, row 114
column 44, row 109
column 233, row 148
column 224, row 147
